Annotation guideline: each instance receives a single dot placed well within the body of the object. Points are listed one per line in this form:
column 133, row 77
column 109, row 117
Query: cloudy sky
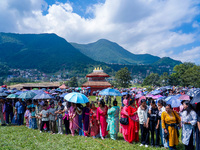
column 158, row 27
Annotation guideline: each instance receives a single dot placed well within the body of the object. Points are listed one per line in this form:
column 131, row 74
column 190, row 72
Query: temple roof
column 97, row 74
column 96, row 84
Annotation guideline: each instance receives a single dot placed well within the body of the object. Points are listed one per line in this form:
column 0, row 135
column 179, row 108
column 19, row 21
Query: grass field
column 22, row 138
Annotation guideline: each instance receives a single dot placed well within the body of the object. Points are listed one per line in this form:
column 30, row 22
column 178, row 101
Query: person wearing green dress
column 113, row 120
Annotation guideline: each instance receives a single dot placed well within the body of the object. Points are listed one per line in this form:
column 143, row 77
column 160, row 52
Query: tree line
column 186, row 74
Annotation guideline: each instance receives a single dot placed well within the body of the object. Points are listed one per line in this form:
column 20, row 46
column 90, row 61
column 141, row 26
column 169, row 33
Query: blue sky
column 163, row 28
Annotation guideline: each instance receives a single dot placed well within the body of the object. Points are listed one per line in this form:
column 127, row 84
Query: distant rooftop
column 97, row 72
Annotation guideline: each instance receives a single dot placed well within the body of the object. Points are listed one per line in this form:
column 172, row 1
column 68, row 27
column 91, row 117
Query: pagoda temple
column 97, row 80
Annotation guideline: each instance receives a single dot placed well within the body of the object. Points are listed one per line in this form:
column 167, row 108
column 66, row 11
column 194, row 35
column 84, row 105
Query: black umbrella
column 196, row 99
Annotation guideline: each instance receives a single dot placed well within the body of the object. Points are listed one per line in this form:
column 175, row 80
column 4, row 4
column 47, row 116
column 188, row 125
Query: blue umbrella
column 173, row 100
column 19, row 92
column 193, row 92
column 124, row 93
column 160, row 98
column 110, row 92
column 76, row 97
column 43, row 96
column 27, row 95
column 3, row 94
column 38, row 91
column 63, row 95
column 155, row 92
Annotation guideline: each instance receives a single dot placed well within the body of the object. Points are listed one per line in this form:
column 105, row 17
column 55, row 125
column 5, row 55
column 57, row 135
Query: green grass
column 22, row 138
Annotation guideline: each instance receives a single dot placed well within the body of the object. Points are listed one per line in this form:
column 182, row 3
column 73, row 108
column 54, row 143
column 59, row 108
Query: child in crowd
column 45, row 118
column 52, row 118
column 26, row 116
column 33, row 119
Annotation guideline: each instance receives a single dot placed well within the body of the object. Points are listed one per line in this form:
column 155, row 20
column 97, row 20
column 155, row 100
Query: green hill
column 46, row 52
column 167, row 61
column 110, row 52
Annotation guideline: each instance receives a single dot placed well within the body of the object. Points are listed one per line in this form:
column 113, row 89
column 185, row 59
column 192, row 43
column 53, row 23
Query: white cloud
column 140, row 26
column 191, row 55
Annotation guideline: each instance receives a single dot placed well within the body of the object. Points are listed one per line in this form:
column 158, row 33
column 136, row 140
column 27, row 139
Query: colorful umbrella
column 149, row 95
column 27, row 95
column 111, row 92
column 43, row 96
column 173, row 100
column 139, row 95
column 142, row 97
column 196, row 99
column 63, row 95
column 12, row 96
column 124, row 93
column 155, row 92
column 76, row 97
column 184, row 97
column 156, row 96
column 3, row 94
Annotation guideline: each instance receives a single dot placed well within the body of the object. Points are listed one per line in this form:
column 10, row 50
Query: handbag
column 135, row 118
column 124, row 121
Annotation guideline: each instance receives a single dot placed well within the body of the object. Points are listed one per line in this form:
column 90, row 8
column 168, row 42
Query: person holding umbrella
column 73, row 116
column 189, row 120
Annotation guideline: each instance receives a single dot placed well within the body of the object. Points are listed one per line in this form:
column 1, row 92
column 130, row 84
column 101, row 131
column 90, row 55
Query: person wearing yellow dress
column 170, row 119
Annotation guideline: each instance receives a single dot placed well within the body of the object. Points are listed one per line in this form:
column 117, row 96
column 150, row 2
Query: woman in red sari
column 94, row 127
column 124, row 114
column 133, row 129
column 101, row 117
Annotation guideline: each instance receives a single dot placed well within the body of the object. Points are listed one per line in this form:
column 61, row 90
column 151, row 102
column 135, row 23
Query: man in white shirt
column 142, row 114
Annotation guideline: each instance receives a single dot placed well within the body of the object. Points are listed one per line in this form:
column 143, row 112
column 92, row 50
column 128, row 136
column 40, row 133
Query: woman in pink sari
column 124, row 114
column 73, row 119
column 101, row 117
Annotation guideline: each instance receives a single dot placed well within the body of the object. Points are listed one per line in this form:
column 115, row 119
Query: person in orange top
column 133, row 134
column 169, row 120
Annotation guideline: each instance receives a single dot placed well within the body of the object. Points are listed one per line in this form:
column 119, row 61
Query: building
column 30, row 86
column 97, row 80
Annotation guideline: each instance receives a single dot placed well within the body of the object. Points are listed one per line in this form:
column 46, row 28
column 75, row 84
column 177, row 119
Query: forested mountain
column 46, row 52
column 110, row 52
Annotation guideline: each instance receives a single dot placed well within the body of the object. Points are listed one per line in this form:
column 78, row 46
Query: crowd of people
column 153, row 119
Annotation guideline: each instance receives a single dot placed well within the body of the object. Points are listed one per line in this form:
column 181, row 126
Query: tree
column 73, row 82
column 180, row 71
column 192, row 76
column 123, row 78
column 152, row 80
column 164, row 79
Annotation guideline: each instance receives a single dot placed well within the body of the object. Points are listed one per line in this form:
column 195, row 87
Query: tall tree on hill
column 123, row 78
column 152, row 79
column 73, row 82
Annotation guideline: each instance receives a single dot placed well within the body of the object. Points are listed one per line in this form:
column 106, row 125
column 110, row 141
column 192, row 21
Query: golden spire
column 97, row 68
column 100, row 68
